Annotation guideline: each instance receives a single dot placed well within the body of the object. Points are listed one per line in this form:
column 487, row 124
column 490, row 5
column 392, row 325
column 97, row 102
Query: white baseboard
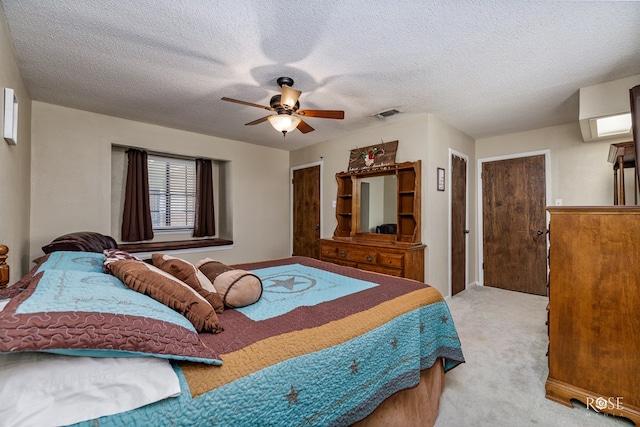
column 468, row 286
column 472, row 284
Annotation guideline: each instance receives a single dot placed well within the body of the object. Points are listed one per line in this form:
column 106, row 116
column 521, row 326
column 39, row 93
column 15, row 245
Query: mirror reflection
column 378, row 204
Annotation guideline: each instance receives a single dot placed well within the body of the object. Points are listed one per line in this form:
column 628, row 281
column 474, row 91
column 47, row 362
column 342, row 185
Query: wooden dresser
column 594, row 308
column 356, row 243
column 388, row 258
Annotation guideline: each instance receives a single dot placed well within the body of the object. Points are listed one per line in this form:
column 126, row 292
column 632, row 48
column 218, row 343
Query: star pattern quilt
column 324, row 346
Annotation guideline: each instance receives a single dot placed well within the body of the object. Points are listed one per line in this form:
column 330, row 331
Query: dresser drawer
column 391, row 260
column 398, row 272
column 347, row 253
column 328, row 251
column 367, row 257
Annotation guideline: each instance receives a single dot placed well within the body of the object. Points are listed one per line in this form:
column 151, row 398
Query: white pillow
column 40, row 389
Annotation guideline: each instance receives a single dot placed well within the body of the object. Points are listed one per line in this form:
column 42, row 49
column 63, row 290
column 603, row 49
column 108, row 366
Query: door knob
column 317, row 227
column 466, row 231
column 540, row 232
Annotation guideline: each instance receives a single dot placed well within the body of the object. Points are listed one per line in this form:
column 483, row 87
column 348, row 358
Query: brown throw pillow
column 189, row 274
column 238, row 288
column 165, row 288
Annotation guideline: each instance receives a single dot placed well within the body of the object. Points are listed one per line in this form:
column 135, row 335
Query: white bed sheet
column 41, row 389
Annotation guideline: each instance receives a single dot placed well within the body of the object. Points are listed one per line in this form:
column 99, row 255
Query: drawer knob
column 343, row 254
column 388, row 261
column 369, row 258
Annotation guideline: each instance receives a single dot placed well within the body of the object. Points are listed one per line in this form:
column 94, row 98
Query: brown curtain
column 136, row 218
column 204, row 222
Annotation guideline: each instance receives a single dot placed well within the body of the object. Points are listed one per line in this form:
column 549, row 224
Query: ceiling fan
column 287, row 108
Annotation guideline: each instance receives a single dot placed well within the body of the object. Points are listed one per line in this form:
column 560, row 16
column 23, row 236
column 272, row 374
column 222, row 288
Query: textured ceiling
column 485, row 67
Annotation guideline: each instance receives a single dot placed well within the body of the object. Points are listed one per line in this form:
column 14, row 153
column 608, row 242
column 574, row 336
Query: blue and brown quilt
column 324, row 346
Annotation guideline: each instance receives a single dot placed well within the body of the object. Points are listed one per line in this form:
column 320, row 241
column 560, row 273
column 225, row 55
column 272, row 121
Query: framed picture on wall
column 440, row 179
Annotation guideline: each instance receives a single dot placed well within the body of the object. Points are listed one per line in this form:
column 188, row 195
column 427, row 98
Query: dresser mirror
column 380, row 203
column 378, row 221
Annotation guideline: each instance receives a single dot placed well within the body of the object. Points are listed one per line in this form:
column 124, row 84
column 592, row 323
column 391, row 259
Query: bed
column 324, row 345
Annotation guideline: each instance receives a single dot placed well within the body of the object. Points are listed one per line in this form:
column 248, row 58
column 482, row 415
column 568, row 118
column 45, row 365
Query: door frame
column 547, row 177
column 453, row 152
column 291, row 170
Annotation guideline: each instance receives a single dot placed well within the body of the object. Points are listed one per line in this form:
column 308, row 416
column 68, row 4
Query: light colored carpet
column 504, row 340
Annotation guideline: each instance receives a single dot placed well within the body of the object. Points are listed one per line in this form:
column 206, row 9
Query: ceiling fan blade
column 255, row 122
column 250, row 104
column 304, row 127
column 289, row 96
column 323, row 114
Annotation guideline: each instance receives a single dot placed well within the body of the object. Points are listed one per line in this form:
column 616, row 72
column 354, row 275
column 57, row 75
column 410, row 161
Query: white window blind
column 172, row 192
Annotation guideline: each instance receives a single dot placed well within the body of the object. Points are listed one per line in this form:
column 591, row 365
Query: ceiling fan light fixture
column 289, row 94
column 284, row 122
column 289, row 97
column 287, row 109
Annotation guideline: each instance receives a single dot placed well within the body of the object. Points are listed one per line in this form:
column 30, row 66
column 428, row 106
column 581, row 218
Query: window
column 172, row 192
column 164, row 200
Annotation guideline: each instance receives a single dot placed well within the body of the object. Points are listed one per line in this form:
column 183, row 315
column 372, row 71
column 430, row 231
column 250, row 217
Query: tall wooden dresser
column 594, row 308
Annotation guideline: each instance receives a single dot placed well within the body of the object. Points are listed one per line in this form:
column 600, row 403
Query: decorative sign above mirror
column 373, row 156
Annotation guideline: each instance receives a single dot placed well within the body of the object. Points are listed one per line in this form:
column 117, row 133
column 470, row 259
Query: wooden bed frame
column 4, row 267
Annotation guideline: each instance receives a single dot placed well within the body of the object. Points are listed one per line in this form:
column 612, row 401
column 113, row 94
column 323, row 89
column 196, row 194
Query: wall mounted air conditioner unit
column 605, row 110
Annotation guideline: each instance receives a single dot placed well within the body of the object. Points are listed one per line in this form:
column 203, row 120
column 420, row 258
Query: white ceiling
column 486, row 67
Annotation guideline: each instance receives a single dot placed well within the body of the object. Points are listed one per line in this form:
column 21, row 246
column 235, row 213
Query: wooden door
column 458, row 224
column 514, row 224
column 306, row 212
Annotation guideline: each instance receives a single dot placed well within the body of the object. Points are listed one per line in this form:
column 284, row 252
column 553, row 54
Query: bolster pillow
column 238, row 288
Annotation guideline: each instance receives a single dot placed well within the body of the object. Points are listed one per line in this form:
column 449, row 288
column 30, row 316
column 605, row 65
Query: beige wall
column 423, row 138
column 71, row 179
column 334, row 155
column 436, row 214
column 71, row 190
column 605, row 99
column 580, row 173
column 14, row 163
